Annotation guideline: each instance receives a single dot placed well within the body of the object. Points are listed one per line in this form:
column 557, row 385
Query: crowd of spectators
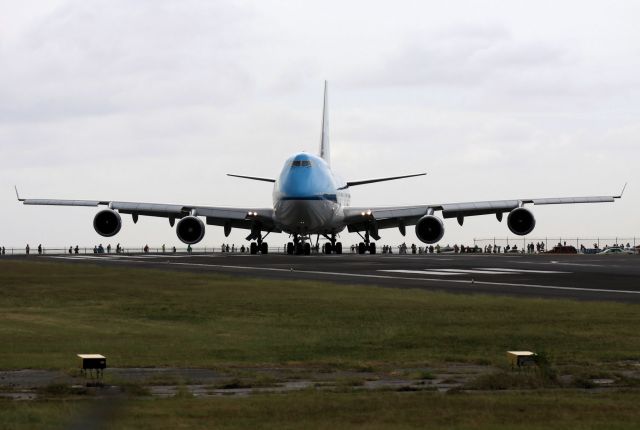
column 403, row 248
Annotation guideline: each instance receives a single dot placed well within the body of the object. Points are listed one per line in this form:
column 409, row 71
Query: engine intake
column 521, row 221
column 107, row 223
column 429, row 229
column 190, row 230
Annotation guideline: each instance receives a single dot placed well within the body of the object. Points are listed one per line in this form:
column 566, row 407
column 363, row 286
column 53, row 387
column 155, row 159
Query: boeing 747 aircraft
column 309, row 200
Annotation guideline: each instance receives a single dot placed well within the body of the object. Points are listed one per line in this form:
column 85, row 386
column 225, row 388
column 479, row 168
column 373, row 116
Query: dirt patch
column 28, row 384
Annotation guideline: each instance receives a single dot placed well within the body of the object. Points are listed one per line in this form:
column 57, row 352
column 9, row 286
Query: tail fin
column 325, row 149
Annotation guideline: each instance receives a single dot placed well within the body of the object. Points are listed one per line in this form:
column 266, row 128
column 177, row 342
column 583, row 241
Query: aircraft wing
column 222, row 216
column 358, row 218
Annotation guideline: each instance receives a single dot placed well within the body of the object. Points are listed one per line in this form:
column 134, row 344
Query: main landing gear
column 263, row 247
column 259, row 245
column 333, row 246
column 301, row 245
column 367, row 245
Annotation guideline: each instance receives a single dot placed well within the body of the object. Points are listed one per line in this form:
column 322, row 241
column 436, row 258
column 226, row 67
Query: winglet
column 18, row 195
column 621, row 192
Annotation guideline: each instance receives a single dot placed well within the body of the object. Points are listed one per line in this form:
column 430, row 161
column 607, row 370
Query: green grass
column 361, row 410
column 50, row 312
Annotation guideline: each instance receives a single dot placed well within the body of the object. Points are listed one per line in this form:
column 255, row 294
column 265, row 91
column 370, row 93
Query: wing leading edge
column 358, row 218
column 223, row 216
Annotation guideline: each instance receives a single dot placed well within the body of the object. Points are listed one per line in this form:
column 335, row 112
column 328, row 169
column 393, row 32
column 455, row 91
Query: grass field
column 152, row 318
column 50, row 312
column 321, row 410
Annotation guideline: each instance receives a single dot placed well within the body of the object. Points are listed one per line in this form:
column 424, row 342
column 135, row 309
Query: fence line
column 589, row 242
column 549, row 242
column 131, row 250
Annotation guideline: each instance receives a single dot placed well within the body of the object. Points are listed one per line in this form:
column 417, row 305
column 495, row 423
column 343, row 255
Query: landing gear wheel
column 290, row 248
column 264, row 248
column 361, row 248
column 253, row 248
column 372, row 248
column 326, row 248
column 339, row 248
column 307, row 249
column 298, row 248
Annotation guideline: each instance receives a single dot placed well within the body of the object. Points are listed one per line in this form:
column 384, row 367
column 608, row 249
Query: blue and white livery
column 309, row 200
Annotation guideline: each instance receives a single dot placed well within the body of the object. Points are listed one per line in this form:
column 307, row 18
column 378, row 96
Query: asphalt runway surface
column 582, row 277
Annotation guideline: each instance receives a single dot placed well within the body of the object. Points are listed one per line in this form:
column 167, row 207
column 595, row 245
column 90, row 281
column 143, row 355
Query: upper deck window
column 301, row 163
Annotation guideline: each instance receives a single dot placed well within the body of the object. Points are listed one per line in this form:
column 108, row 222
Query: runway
column 583, row 277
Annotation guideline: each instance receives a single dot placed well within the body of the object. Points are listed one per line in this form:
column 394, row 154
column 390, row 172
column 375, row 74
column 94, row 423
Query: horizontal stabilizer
column 371, row 181
column 254, row 178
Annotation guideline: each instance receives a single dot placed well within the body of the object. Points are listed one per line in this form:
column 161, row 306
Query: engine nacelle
column 521, row 221
column 429, row 229
column 190, row 230
column 107, row 223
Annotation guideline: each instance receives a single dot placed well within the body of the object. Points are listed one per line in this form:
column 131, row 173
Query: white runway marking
column 422, row 272
column 526, row 271
column 404, row 278
column 546, row 263
column 476, row 271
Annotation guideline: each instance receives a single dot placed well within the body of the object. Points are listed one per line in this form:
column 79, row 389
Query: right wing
column 361, row 218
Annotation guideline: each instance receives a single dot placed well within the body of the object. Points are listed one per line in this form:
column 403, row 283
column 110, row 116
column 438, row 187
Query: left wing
column 228, row 217
column 361, row 218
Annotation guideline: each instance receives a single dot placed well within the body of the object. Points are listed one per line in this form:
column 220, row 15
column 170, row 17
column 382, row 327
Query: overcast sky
column 155, row 101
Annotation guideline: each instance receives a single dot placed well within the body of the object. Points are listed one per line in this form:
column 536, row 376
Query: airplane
column 308, row 199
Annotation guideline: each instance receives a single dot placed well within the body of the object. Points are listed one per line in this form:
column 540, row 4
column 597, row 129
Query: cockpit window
column 301, row 163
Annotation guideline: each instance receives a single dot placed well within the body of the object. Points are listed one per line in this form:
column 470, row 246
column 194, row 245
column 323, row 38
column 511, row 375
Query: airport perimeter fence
column 87, row 250
column 550, row 242
column 130, row 250
column 480, row 244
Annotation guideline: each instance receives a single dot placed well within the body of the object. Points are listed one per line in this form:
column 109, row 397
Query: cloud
column 97, row 58
column 157, row 100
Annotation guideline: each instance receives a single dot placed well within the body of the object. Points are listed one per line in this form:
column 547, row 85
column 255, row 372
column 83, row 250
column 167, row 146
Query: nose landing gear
column 298, row 246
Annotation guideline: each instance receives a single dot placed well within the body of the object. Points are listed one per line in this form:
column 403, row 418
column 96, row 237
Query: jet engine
column 429, row 229
column 107, row 223
column 521, row 221
column 190, row 230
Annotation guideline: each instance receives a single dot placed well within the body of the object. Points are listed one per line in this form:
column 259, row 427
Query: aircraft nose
column 298, row 184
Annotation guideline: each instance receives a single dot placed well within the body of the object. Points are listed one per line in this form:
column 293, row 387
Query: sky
column 155, row 101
